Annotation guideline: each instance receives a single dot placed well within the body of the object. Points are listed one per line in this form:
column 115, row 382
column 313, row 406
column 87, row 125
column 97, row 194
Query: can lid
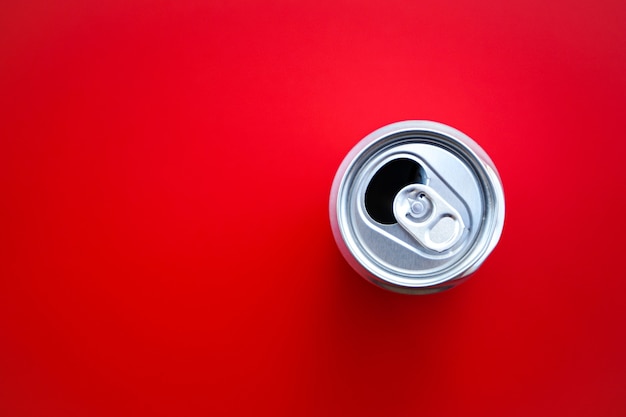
column 416, row 204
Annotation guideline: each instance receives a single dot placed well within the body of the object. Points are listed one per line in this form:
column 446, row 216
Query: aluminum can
column 416, row 207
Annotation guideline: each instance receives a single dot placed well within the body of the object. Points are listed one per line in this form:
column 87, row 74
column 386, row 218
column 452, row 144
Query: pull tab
column 430, row 219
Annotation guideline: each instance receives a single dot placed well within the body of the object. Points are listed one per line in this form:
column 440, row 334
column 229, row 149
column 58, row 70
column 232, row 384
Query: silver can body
column 416, row 207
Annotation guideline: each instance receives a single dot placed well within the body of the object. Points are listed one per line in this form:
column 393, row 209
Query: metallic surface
column 446, row 225
column 428, row 218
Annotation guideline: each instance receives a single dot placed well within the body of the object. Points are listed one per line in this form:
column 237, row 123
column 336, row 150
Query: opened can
column 416, row 207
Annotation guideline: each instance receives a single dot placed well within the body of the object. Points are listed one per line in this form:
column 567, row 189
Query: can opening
column 386, row 183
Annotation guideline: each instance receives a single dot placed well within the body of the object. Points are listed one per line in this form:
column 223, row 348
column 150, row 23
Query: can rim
column 486, row 241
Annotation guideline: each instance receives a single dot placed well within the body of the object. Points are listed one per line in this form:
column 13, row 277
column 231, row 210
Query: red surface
column 165, row 169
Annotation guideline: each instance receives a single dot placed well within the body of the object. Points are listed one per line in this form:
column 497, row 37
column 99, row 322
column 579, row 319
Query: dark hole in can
column 386, row 183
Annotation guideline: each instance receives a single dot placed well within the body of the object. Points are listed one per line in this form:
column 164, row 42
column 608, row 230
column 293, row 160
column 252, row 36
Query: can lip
column 352, row 251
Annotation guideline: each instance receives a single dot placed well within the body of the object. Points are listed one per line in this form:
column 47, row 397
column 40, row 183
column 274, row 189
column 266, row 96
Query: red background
column 165, row 169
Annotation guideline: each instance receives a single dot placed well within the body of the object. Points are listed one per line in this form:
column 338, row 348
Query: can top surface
column 416, row 204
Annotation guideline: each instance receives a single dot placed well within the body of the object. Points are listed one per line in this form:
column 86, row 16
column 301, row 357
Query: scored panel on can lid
column 416, row 206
